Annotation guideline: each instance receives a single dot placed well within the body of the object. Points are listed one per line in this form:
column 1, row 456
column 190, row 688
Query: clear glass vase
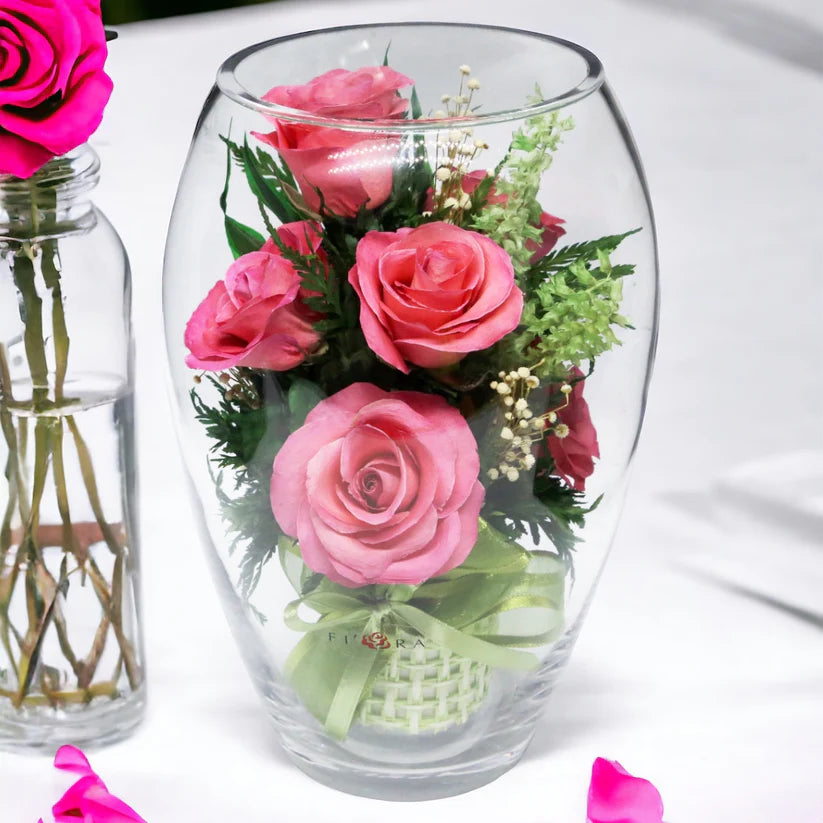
column 396, row 255
column 71, row 659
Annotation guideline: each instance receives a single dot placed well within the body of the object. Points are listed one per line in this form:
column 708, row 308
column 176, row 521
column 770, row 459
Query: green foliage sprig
column 560, row 258
column 537, row 505
column 247, row 429
column 274, row 187
column 572, row 305
column 516, row 223
column 244, row 442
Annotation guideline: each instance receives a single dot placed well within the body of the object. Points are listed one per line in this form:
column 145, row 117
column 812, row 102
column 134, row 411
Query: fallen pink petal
column 615, row 796
column 88, row 799
column 71, row 759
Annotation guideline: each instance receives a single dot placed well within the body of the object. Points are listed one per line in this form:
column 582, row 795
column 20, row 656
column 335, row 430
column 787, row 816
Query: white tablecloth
column 701, row 664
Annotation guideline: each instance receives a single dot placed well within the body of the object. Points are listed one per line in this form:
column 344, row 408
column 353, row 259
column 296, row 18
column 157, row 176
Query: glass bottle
column 71, row 656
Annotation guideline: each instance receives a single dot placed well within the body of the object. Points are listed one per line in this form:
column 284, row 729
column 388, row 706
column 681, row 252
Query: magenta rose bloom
column 350, row 169
column 255, row 316
column 574, row 454
column 380, row 487
column 431, row 295
column 52, row 85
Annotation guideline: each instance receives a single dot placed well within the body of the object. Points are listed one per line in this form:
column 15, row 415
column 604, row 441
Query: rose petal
column 71, row 759
column 615, row 796
column 21, row 157
column 88, row 798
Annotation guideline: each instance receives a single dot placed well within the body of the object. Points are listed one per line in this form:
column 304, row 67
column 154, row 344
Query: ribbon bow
column 453, row 611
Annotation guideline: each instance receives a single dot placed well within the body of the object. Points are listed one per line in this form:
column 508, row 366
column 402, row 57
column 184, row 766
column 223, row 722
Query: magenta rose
column 52, row 85
column 431, row 295
column 380, row 487
column 255, row 316
column 574, row 453
column 349, row 169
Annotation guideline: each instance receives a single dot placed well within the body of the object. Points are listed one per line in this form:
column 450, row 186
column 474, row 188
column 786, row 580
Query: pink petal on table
column 71, row 759
column 615, row 796
column 88, row 799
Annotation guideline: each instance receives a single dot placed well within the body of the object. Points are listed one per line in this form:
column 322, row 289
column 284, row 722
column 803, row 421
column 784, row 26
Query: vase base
column 402, row 784
column 90, row 726
column 392, row 765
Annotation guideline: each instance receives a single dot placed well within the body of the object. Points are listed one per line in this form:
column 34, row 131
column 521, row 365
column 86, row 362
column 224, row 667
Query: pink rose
column 52, row 85
column 574, row 454
column 255, row 316
column 552, row 228
column 380, row 487
column 431, row 295
column 349, row 169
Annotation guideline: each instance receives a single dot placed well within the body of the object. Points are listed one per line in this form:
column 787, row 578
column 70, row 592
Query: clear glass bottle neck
column 54, row 201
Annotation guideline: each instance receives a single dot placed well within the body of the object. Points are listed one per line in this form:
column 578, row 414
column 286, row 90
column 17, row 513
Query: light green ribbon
column 332, row 685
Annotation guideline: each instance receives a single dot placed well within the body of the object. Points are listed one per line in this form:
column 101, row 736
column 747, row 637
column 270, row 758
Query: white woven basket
column 425, row 690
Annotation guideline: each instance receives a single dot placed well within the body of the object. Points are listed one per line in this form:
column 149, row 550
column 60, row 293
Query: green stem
column 39, row 608
column 69, row 543
column 6, row 389
column 116, row 597
column 32, row 314
column 90, row 482
column 89, row 665
column 51, row 276
column 70, row 696
column 11, row 504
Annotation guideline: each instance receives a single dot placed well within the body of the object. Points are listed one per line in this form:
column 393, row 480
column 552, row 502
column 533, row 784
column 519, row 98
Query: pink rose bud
column 574, row 454
column 255, row 316
column 337, row 169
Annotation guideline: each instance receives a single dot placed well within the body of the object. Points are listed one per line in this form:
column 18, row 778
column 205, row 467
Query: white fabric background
column 701, row 664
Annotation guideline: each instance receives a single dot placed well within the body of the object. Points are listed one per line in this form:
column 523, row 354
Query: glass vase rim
column 69, row 175
column 229, row 84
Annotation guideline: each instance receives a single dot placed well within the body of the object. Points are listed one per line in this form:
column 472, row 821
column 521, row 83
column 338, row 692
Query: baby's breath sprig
column 455, row 150
column 522, row 429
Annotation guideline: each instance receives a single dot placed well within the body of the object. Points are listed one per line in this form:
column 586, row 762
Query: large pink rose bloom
column 350, row 169
column 431, row 295
column 574, row 454
column 52, row 85
column 380, row 487
column 255, row 316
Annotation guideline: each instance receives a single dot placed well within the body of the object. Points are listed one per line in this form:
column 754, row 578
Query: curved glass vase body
column 71, row 660
column 390, row 274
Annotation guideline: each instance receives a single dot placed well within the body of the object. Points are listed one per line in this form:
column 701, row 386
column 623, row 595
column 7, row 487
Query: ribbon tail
column 361, row 669
column 329, row 677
